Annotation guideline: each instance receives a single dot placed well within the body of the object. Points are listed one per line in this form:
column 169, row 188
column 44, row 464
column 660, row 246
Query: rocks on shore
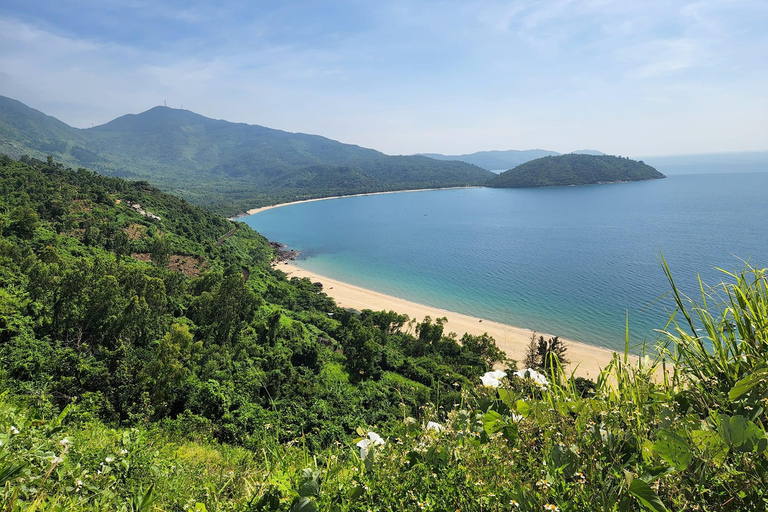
column 282, row 253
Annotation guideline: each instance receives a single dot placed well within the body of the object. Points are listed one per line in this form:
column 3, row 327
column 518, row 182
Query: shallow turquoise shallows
column 568, row 261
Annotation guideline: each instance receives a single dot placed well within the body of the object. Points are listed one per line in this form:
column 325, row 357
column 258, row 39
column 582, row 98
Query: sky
column 625, row 77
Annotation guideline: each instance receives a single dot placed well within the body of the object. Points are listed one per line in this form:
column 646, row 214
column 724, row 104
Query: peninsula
column 574, row 169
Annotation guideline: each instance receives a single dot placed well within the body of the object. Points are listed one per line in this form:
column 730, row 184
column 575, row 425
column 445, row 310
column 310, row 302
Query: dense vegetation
column 574, row 169
column 226, row 167
column 129, row 385
column 141, row 308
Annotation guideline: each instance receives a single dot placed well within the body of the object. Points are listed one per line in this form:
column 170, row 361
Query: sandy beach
column 264, row 208
column 585, row 359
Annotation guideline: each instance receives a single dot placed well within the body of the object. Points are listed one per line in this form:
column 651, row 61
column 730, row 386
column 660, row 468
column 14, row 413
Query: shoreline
column 585, row 360
column 265, row 208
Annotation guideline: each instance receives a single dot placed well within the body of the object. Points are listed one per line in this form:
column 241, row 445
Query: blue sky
column 625, row 77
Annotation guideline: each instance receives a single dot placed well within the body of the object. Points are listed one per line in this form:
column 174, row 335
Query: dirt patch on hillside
column 136, row 231
column 143, row 256
column 187, row 265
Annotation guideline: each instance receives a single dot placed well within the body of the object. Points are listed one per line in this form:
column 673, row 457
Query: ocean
column 569, row 261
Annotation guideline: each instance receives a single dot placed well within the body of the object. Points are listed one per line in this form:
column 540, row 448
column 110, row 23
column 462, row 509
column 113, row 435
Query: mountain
column 495, row 160
column 226, row 167
column 24, row 129
column 592, row 152
column 574, row 169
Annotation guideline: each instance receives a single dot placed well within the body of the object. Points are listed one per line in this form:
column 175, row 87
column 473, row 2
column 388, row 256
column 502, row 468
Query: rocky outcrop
column 282, row 253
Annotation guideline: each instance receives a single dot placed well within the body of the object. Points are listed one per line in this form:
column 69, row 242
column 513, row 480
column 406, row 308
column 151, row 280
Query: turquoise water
column 568, row 261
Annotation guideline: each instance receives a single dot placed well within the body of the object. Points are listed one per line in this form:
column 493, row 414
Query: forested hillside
column 574, row 169
column 226, row 167
column 145, row 307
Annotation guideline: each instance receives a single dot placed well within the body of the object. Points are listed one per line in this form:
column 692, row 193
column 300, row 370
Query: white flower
column 433, row 425
column 14, row 430
column 57, row 460
column 517, row 417
column 365, row 444
column 123, row 451
column 108, row 460
column 79, row 482
column 537, row 378
column 64, row 442
column 493, row 379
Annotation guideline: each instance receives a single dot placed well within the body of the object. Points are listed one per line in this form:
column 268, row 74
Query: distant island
column 575, row 169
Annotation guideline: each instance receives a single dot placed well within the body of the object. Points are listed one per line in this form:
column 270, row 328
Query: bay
column 570, row 261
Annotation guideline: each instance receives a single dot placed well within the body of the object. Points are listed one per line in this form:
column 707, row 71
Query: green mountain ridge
column 226, row 167
column 574, row 169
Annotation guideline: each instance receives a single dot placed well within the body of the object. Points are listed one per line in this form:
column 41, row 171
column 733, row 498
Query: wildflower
column 64, row 442
column 433, row 425
column 123, row 452
column 56, row 460
column 108, row 460
column 543, row 484
column 517, row 417
column 553, row 508
column 14, row 430
column 79, row 483
column 365, row 444
column 514, row 503
column 537, row 378
column 492, row 379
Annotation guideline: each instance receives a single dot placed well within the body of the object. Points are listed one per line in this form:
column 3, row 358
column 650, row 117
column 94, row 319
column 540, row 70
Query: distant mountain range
column 574, row 169
column 227, row 167
column 503, row 160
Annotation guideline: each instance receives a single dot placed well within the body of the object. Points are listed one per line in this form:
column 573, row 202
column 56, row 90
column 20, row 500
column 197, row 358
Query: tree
column 551, row 353
column 532, row 354
column 160, row 251
column 544, row 354
column 23, row 222
column 170, row 366
column 484, row 347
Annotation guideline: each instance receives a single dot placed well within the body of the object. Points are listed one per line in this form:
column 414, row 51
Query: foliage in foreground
column 682, row 430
